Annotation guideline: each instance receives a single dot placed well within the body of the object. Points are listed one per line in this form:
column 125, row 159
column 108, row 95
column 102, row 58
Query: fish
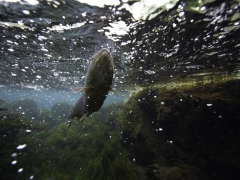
column 99, row 79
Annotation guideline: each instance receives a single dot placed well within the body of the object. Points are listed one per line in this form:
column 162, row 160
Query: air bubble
column 14, row 162
column 26, row 12
column 14, row 155
column 20, row 147
column 181, row 13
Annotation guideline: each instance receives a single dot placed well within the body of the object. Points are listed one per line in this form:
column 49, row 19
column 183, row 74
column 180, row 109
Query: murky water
column 176, row 72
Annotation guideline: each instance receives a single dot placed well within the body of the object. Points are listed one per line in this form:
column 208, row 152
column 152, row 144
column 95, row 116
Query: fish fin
column 111, row 89
column 69, row 123
column 79, row 89
column 99, row 112
column 83, row 117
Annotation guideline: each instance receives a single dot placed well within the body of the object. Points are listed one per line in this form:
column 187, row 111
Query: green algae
column 159, row 133
column 61, row 109
column 11, row 125
column 181, row 127
column 27, row 107
column 90, row 150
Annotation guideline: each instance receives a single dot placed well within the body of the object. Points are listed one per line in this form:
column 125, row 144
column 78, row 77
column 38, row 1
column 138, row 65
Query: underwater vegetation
column 180, row 133
column 27, row 107
column 84, row 151
column 90, row 150
column 11, row 125
column 186, row 132
column 61, row 110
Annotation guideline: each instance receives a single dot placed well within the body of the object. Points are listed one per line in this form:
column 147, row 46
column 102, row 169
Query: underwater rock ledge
column 185, row 132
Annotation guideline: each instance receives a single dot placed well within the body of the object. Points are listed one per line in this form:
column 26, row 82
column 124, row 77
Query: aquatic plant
column 92, row 148
column 180, row 128
column 159, row 133
column 10, row 126
column 171, row 173
column 111, row 163
column 61, row 109
column 27, row 107
column 47, row 119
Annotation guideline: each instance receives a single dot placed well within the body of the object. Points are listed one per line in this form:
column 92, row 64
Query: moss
column 156, row 172
column 46, row 119
column 170, row 140
column 184, row 124
column 10, row 126
column 111, row 163
column 61, row 110
column 27, row 107
column 89, row 151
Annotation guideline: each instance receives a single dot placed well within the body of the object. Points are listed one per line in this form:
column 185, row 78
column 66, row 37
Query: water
column 46, row 98
column 176, row 71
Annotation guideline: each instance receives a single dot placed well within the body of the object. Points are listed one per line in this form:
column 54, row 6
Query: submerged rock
column 193, row 129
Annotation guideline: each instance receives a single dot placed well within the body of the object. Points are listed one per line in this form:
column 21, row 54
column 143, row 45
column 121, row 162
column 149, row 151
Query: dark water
column 177, row 73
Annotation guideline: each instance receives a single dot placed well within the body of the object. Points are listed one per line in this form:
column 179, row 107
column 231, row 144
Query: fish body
column 97, row 85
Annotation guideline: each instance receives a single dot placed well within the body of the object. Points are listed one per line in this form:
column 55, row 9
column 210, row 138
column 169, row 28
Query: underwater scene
column 120, row 90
